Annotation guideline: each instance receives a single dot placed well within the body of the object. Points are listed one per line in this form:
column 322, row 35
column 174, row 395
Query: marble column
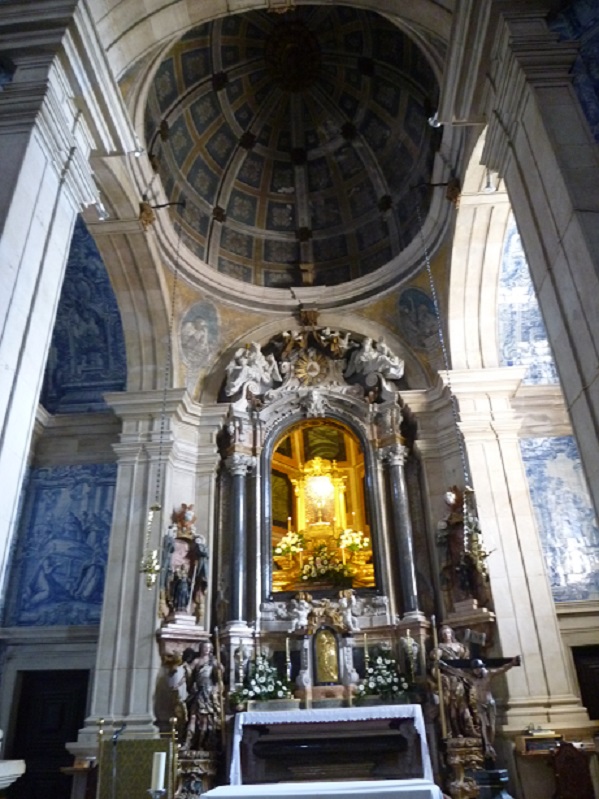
column 46, row 138
column 238, row 465
column 402, row 529
column 542, row 691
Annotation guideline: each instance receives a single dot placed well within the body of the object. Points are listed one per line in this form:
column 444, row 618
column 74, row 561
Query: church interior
column 299, row 398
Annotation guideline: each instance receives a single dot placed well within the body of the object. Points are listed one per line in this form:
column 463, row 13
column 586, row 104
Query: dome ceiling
column 298, row 142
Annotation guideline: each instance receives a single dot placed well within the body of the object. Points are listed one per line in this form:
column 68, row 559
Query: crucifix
column 478, row 675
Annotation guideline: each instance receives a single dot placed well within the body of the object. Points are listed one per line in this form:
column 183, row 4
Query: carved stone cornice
column 525, row 54
column 62, row 87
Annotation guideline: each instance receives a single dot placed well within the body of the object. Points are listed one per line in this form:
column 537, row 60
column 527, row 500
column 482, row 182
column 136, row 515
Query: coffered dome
column 298, row 143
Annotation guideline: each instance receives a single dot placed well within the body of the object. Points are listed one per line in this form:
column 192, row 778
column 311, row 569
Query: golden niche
column 324, row 541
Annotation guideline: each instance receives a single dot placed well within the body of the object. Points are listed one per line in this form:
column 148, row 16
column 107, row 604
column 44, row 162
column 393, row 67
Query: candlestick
column 158, row 767
column 289, row 524
column 442, row 717
column 366, row 658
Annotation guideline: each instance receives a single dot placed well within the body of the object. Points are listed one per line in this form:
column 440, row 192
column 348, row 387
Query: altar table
column 381, row 789
column 333, row 715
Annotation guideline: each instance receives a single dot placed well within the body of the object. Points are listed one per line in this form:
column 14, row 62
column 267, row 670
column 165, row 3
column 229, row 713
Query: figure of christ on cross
column 479, row 678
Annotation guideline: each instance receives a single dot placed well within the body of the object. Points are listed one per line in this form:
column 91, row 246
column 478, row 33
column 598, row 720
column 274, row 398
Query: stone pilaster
column 150, row 468
column 541, row 691
column 541, row 143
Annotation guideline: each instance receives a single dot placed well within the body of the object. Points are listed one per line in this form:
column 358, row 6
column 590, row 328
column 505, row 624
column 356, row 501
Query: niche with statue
column 320, row 534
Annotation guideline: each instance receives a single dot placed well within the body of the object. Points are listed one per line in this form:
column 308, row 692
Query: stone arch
column 481, row 225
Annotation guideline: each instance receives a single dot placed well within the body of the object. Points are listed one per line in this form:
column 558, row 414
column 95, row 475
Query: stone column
column 51, row 120
column 542, row 690
column 238, row 464
column 541, row 144
column 402, row 529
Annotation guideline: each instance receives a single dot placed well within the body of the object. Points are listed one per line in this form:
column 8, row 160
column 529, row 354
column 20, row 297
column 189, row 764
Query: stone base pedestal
column 464, row 758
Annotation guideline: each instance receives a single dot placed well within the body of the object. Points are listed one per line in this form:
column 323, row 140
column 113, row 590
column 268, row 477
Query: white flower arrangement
column 262, row 682
column 290, row 544
column 382, row 678
column 324, row 565
column 353, row 540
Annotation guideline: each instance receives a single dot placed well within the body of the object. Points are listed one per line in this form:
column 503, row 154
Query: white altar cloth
column 356, row 789
column 330, row 714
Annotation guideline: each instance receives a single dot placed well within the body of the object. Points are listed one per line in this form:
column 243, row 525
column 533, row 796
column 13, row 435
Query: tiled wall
column 57, row 577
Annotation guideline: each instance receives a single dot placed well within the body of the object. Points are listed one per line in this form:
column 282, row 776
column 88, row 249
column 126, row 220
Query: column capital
column 394, row 454
column 239, row 463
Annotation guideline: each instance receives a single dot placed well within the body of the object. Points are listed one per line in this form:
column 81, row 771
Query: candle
column 158, row 767
column 365, row 647
column 289, row 524
column 287, row 650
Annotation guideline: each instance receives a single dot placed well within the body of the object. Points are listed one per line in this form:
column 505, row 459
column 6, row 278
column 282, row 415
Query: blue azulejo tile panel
column 567, row 524
column 58, row 569
column 522, row 335
column 87, row 352
column 579, row 21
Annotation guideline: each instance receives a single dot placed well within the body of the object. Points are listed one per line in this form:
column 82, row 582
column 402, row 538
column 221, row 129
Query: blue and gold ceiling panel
column 325, row 212
column 235, row 270
column 281, row 215
column 250, row 171
column 234, row 242
column 306, row 126
column 330, row 249
column 204, row 112
column 221, row 145
column 280, row 251
column 282, row 178
column 242, row 207
column 204, row 182
column 195, row 66
column 279, row 279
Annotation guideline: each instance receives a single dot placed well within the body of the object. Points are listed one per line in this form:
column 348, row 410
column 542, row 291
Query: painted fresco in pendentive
column 418, row 319
column 57, row 576
column 522, row 335
column 200, row 334
column 567, row 525
column 87, row 352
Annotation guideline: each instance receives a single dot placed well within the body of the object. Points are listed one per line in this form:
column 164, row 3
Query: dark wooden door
column 586, row 659
column 50, row 712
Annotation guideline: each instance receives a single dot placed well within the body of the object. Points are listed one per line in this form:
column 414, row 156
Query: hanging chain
column 453, row 401
column 474, row 552
column 150, row 564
